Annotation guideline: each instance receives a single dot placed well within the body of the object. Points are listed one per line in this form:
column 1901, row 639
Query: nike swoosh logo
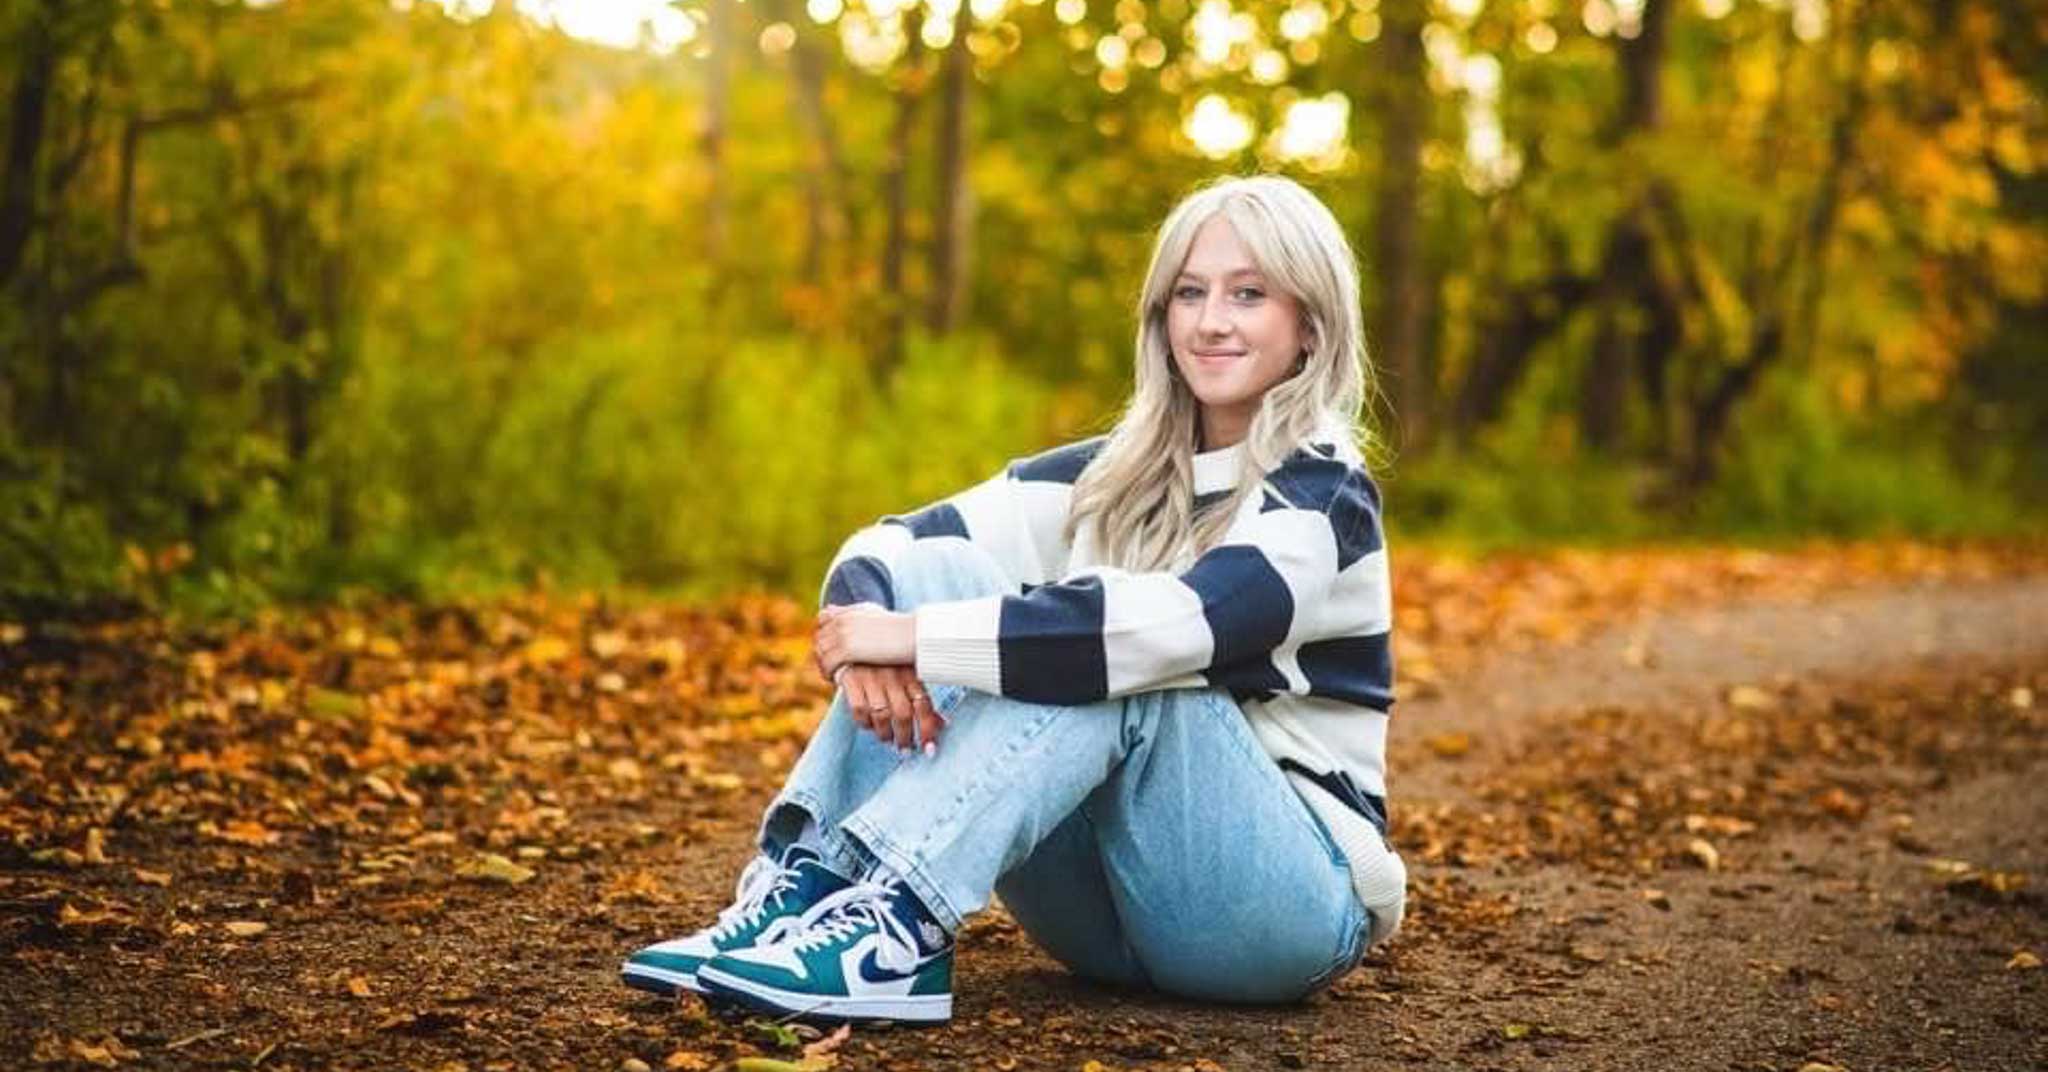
column 871, row 969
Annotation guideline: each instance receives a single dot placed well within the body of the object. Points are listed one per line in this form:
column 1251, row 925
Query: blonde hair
column 1139, row 489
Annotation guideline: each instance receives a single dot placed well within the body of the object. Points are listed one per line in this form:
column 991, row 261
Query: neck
column 1220, row 430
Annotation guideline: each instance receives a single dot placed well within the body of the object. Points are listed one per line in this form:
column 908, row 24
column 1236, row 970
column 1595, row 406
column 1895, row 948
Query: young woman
column 1137, row 685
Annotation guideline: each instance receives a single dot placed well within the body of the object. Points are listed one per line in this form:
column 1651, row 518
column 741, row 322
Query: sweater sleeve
column 1015, row 515
column 1107, row 633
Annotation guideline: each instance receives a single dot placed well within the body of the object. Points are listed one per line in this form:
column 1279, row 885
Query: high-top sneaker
column 772, row 897
column 868, row 952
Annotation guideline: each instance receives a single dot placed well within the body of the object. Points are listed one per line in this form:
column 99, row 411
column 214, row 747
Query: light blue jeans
column 1146, row 840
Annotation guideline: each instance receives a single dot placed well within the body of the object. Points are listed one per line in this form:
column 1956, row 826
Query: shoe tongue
column 796, row 854
column 814, row 880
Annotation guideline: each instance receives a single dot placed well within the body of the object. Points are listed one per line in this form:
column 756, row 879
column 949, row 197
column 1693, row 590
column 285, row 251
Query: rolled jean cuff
column 907, row 867
column 846, row 857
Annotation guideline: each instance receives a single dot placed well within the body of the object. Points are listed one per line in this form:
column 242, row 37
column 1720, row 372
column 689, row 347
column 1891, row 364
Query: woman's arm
column 1016, row 515
column 1311, row 568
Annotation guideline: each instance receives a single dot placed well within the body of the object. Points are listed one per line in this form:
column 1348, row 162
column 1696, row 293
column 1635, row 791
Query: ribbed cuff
column 957, row 645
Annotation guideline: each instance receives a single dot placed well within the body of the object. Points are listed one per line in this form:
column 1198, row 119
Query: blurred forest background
column 308, row 297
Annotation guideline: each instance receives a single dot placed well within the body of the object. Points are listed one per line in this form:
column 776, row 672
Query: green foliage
column 1798, row 468
column 387, row 299
column 656, row 460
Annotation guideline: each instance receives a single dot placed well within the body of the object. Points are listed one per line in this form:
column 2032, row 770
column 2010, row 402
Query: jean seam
column 1257, row 752
column 1123, row 932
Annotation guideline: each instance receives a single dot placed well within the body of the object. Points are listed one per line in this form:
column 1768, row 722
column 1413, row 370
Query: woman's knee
column 941, row 568
column 1283, row 966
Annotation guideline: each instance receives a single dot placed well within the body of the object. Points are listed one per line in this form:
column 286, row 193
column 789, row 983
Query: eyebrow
column 1232, row 274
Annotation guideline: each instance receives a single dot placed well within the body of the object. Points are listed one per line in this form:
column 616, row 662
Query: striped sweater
column 1290, row 612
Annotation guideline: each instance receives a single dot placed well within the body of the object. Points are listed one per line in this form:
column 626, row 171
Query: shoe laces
column 760, row 882
column 843, row 914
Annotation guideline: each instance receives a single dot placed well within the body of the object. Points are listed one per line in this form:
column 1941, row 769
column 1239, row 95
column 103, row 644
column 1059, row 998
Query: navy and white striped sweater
column 1290, row 611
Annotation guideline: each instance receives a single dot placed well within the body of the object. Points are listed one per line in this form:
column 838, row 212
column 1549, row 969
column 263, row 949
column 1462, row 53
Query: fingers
column 902, row 716
column 928, row 721
column 891, row 703
column 857, row 706
column 826, row 644
column 868, row 705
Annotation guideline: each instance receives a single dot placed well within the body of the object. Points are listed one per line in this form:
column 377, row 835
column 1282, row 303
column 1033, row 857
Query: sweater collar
column 1216, row 470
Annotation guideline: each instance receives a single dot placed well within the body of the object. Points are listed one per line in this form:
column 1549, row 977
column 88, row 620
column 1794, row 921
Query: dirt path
column 1746, row 837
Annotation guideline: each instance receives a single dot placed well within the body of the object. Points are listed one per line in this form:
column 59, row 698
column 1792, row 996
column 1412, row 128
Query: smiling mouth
column 1218, row 357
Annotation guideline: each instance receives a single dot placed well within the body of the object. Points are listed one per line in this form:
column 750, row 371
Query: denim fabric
column 1143, row 840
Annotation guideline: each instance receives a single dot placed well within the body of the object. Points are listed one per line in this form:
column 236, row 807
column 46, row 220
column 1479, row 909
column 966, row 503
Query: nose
column 1214, row 321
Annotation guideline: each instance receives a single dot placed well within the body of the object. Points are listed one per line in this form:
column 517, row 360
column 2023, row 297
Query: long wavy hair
column 1139, row 490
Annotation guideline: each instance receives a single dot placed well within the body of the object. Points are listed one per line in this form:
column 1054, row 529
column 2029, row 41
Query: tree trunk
column 1603, row 386
column 26, row 117
column 1529, row 315
column 953, row 222
column 896, row 202
column 1398, row 223
column 1629, row 294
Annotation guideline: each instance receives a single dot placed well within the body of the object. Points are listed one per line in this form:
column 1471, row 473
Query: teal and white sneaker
column 769, row 903
column 868, row 952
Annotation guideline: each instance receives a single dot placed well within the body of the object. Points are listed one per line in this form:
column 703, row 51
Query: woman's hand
column 869, row 652
column 864, row 633
column 890, row 702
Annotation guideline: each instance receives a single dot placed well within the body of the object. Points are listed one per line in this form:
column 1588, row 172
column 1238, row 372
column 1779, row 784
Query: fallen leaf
column 1838, row 802
column 781, row 1036
column 358, row 986
column 96, row 846
column 106, row 1053
column 686, row 1061
column 638, row 886
column 331, row 704
column 248, row 832
column 1703, row 851
column 1751, row 698
column 58, row 857
column 70, row 915
column 1516, row 1031
column 152, row 878
column 1449, row 745
column 830, row 1042
column 245, row 928
column 2023, row 961
column 491, row 867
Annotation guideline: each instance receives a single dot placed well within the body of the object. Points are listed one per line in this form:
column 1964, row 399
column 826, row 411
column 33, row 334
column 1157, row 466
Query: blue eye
column 1254, row 293
column 1187, row 292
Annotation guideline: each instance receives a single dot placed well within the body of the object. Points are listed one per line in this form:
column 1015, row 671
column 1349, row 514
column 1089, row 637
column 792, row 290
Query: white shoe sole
column 659, row 980
column 903, row 1009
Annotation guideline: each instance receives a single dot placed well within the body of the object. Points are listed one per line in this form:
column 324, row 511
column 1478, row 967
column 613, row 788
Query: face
column 1234, row 334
